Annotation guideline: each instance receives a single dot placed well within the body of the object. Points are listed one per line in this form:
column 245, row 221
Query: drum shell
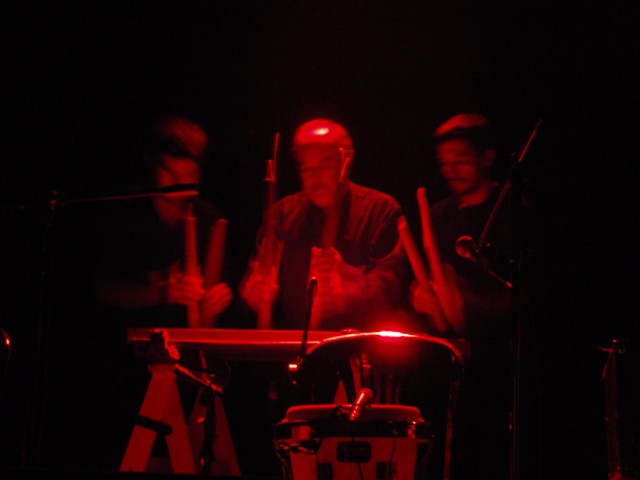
column 318, row 442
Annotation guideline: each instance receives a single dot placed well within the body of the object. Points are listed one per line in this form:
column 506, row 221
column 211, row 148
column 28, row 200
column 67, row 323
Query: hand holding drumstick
column 438, row 294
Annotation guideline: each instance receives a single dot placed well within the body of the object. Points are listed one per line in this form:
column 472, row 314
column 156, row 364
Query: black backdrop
column 79, row 81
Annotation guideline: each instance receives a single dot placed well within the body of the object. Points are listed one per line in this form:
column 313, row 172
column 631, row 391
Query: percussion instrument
column 388, row 439
column 316, row 442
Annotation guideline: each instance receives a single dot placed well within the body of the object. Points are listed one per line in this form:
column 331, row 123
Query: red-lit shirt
column 367, row 238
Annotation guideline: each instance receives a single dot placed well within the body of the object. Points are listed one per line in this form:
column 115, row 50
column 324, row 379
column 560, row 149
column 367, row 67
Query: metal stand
column 621, row 389
column 516, row 183
column 473, row 251
column 162, row 413
column 34, row 427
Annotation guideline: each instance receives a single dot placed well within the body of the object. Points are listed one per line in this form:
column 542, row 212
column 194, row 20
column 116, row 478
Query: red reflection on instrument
column 320, row 131
column 389, row 333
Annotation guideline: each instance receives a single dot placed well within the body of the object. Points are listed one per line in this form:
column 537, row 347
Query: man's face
column 320, row 167
column 177, row 170
column 462, row 166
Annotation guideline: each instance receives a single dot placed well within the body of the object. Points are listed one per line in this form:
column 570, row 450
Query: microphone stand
column 468, row 248
column 313, row 289
column 514, row 182
column 516, row 438
column 180, row 190
column 507, row 187
column 34, row 427
column 210, row 388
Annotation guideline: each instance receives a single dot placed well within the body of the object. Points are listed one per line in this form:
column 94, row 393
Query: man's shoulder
column 445, row 203
column 292, row 206
column 292, row 199
column 368, row 194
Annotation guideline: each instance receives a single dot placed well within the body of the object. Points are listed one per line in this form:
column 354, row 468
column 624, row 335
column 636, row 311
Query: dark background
column 79, row 81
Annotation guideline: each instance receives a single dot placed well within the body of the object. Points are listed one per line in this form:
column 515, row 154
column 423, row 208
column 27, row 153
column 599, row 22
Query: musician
column 340, row 233
column 466, row 156
column 146, row 275
column 334, row 230
column 120, row 265
column 137, row 275
column 466, row 152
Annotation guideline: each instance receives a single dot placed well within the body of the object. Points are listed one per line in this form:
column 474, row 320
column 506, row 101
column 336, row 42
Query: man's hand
column 423, row 299
column 184, row 289
column 328, row 267
column 261, row 288
column 187, row 290
column 215, row 300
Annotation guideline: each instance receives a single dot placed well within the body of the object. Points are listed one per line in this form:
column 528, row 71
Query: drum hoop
column 372, row 412
column 460, row 348
column 334, row 422
column 377, row 429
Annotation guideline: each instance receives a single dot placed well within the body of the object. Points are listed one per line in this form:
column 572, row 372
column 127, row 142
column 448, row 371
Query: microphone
column 466, row 247
column 311, row 291
column 363, row 400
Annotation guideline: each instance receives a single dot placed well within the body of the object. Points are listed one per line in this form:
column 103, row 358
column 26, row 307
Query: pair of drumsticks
column 443, row 282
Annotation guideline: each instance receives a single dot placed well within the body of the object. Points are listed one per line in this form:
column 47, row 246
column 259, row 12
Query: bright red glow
column 390, row 333
column 320, row 131
column 323, row 131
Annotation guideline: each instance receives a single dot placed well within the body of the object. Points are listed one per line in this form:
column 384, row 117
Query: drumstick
column 192, row 267
column 269, row 249
column 413, row 253
column 428, row 240
column 215, row 253
column 214, row 262
column 415, row 259
column 446, row 288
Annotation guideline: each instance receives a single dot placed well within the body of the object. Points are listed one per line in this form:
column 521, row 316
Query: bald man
column 342, row 234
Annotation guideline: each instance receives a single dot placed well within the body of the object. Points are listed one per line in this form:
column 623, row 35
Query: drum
column 320, row 442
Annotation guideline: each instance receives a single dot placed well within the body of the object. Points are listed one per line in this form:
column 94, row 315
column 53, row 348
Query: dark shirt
column 482, row 414
column 367, row 238
column 135, row 241
column 487, row 300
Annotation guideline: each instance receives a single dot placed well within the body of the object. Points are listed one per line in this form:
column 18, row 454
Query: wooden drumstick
column 269, row 258
column 215, row 253
column 192, row 266
column 446, row 288
column 214, row 262
column 415, row 259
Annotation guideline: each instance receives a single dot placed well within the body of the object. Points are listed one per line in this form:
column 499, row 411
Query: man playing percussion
column 481, row 258
column 133, row 275
column 466, row 157
column 342, row 234
column 147, row 276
